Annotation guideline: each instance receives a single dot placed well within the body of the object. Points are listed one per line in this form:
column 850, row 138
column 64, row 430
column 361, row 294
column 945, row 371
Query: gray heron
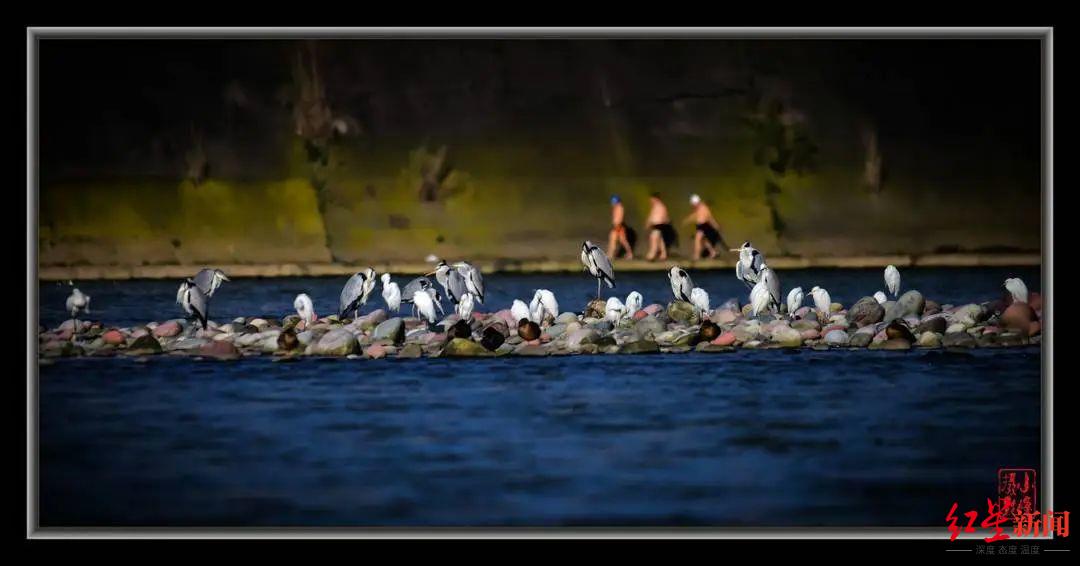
column 750, row 264
column 194, row 302
column 598, row 265
column 681, row 285
column 356, row 291
column 451, row 280
column 474, row 281
column 208, row 280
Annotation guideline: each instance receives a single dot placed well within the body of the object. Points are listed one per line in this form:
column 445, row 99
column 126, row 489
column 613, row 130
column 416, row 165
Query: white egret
column 465, row 307
column 305, row 308
column 77, row 302
column 543, row 303
column 750, row 264
column 424, row 305
column 794, row 300
column 391, row 293
column 681, row 285
column 759, row 298
column 355, row 293
column 614, row 310
column 1017, row 289
column 822, row 301
column 892, row 279
column 519, row 310
column 410, row 289
column 700, row 299
column 598, row 265
column 633, row 303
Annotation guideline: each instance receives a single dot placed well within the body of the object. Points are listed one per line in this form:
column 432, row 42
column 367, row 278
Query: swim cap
column 615, row 199
column 694, row 199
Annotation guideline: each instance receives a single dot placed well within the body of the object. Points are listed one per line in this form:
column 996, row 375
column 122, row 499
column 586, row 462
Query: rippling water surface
column 756, row 438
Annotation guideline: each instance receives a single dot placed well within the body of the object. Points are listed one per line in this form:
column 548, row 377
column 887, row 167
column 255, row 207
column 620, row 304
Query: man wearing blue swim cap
column 621, row 238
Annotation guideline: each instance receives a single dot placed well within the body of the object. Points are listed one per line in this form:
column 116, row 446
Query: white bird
column 614, row 310
column 598, row 265
column 759, row 298
column 633, row 303
column 208, row 281
column 1017, row 289
column 700, row 299
column 194, row 302
column 880, row 297
column 305, row 308
column 892, row 279
column 794, row 300
column 76, row 302
column 822, row 301
column 543, row 303
column 355, row 293
column 772, row 285
column 750, row 264
column 425, row 305
column 474, row 281
column 465, row 307
column 391, row 293
column 519, row 310
column 681, row 285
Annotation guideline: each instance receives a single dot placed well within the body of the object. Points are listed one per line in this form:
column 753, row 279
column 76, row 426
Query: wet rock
column 566, row 318
column 649, row 326
column 710, row 348
column 747, row 331
column 654, row 309
column 113, row 338
column 370, row 320
column 287, row 340
column 895, row 344
column 929, row 339
column 640, row 315
column 684, row 312
column 530, row 350
column 392, row 329
column 492, row 337
column 1018, row 316
column 958, row 340
column 931, row 307
column 969, row 315
column 460, row 329
column 167, row 329
column 1035, row 301
column 375, row 352
column 410, row 351
column 595, row 309
column 640, row 347
column 934, row 323
column 462, row 348
column 709, row 331
column 725, row 339
column 862, row 337
column 220, row 350
column 144, row 345
column 601, row 326
column 837, row 338
column 528, row 330
column 724, row 317
column 810, row 334
column 337, row 342
column 62, row 349
column 1035, row 328
column 899, row 330
column 578, row 338
column 786, row 337
column 555, row 330
column 805, row 324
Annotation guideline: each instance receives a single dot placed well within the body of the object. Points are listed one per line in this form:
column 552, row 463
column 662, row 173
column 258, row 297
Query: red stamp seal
column 1017, row 495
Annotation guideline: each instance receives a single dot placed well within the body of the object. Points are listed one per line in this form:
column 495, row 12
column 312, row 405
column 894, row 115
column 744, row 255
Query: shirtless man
column 661, row 234
column 708, row 229
column 621, row 239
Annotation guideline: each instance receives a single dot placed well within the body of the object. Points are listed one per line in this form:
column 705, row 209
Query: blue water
column 760, row 438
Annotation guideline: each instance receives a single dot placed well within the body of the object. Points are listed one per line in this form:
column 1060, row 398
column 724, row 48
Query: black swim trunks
column 710, row 233
column 667, row 232
column 631, row 238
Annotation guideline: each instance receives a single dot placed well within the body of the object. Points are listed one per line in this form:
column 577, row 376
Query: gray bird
column 598, row 265
column 750, row 264
column 76, row 302
column 451, row 280
column 194, row 302
column 356, row 291
column 681, row 285
column 772, row 284
column 474, row 282
column 208, row 281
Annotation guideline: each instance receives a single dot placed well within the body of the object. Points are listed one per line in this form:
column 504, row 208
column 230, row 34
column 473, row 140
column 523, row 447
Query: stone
column 566, row 318
column 969, row 315
column 596, row 308
column 809, row 334
column 861, row 339
column 167, row 329
column 899, row 330
column 725, row 339
column 786, row 337
column 929, row 339
column 462, row 348
column 896, row 344
column 410, row 351
column 337, row 342
column 958, row 340
column 911, row 303
column 654, row 309
column 1035, row 328
column 931, row 307
column 492, row 336
column 530, row 350
column 640, row 347
column 392, row 329
column 933, row 323
column 220, row 350
column 1018, row 316
column 370, row 320
column 746, row 331
column 578, row 338
column 805, row 324
column 684, row 312
column 709, row 331
column 144, row 345
column 724, row 317
column 955, row 328
column 555, row 330
column 375, row 352
column 710, row 348
column 287, row 340
column 460, row 329
column 649, row 326
column 113, row 337
column 837, row 338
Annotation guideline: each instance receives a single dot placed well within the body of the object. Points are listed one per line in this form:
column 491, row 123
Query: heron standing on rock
column 208, row 280
column 194, row 302
column 355, row 293
column 543, row 303
column 822, row 301
column 700, row 299
column 598, row 265
column 1016, row 287
column 474, row 282
column 633, row 303
column 681, row 285
column 424, row 304
column 892, row 280
column 794, row 300
column 614, row 310
column 305, row 308
column 520, row 310
column 451, row 280
column 391, row 293
column 77, row 301
column 465, row 307
column 750, row 264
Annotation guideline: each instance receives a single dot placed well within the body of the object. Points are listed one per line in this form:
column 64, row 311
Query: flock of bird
column 463, row 285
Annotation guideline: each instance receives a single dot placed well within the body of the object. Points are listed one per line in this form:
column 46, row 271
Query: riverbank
column 122, row 272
